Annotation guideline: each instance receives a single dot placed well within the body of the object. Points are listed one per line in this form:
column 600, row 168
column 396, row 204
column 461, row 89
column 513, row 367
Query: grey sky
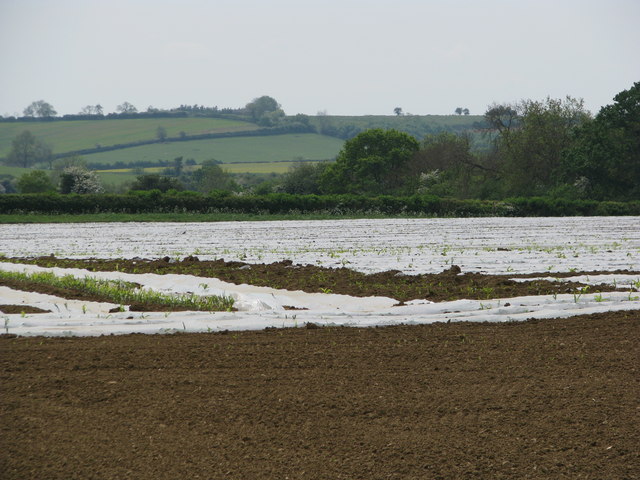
column 348, row 57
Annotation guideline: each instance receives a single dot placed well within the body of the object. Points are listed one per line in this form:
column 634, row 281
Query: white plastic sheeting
column 488, row 245
column 261, row 307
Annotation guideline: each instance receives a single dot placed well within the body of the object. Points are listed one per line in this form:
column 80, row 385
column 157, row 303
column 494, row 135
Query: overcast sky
column 345, row 57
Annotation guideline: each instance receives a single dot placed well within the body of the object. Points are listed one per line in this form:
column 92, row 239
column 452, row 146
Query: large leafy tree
column 36, row 181
column 445, row 165
column 373, row 162
column 26, row 150
column 533, row 136
column 265, row 111
column 211, row 177
column 303, row 178
column 41, row 109
column 605, row 159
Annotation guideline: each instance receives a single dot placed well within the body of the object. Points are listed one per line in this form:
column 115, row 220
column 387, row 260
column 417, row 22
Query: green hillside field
column 72, row 135
column 12, row 171
column 65, row 136
column 277, row 148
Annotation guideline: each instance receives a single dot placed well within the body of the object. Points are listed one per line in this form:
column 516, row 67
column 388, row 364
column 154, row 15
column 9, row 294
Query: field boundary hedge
column 281, row 203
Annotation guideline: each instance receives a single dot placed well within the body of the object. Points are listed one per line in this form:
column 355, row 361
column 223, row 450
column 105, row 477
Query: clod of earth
column 21, row 309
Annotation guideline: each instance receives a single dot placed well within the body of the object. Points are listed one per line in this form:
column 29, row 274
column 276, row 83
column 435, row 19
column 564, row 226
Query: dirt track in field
column 540, row 399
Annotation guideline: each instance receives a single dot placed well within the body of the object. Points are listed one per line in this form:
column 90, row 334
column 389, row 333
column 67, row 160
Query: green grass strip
column 121, row 292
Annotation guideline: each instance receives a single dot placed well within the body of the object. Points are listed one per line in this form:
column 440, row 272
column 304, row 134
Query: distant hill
column 133, row 142
column 65, row 136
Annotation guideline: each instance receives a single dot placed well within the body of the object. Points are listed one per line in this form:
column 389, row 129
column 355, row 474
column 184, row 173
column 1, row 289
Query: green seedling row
column 117, row 291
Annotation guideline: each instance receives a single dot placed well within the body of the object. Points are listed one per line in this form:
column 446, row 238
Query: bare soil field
column 538, row 399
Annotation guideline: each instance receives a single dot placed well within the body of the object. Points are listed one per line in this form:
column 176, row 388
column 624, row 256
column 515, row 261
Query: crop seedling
column 488, row 292
column 579, row 293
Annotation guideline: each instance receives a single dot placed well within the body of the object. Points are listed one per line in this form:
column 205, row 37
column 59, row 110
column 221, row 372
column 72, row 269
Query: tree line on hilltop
column 264, row 110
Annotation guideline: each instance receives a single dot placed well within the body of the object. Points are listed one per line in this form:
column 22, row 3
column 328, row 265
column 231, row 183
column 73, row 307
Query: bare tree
column 126, row 107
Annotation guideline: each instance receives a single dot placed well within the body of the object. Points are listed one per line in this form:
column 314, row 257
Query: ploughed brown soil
column 539, row 399
column 551, row 399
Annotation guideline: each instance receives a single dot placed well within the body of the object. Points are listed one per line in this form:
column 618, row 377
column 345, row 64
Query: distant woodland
column 550, row 148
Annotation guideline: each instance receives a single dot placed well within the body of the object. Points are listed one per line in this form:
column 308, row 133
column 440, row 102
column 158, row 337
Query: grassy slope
column 113, row 181
column 14, row 171
column 417, row 125
column 231, row 150
column 66, row 136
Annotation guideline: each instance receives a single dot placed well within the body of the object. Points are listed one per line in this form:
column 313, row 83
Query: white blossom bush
column 79, row 180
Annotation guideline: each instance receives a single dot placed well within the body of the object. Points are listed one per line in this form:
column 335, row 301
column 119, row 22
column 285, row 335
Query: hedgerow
column 154, row 201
